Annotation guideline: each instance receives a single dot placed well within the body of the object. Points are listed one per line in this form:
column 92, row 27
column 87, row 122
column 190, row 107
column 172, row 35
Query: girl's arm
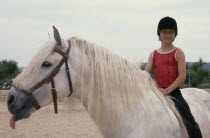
column 181, row 71
column 149, row 65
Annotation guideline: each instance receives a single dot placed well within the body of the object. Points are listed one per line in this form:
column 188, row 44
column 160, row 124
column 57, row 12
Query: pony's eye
column 46, row 64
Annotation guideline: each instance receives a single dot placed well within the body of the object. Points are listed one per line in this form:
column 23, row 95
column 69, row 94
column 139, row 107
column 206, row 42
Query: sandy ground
column 74, row 123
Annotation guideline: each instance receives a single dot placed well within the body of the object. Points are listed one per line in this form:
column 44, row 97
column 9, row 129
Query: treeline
column 197, row 75
column 8, row 70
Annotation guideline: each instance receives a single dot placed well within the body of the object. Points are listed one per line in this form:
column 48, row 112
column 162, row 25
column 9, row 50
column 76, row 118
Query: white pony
column 121, row 99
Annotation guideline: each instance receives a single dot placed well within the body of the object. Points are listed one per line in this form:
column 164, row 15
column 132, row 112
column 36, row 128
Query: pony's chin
column 22, row 113
column 21, row 116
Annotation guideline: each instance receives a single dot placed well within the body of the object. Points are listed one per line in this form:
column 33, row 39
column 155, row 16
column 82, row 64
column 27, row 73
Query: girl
column 169, row 67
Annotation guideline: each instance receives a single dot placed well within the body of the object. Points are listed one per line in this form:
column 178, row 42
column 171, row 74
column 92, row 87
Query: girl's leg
column 184, row 110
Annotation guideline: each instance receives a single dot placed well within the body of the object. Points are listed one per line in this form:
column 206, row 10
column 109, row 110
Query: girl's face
column 167, row 36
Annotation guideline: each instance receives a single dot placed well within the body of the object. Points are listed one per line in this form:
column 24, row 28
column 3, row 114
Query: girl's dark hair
column 167, row 23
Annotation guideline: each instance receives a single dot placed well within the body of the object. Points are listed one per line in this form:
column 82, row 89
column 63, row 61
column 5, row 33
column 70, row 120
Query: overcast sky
column 127, row 27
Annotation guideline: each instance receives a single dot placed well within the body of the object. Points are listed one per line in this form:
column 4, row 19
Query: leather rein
column 48, row 79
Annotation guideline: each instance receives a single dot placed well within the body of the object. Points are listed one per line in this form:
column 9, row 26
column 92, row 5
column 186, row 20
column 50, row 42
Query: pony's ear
column 57, row 35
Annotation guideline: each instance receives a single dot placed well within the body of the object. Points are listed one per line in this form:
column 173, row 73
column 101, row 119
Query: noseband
column 48, row 79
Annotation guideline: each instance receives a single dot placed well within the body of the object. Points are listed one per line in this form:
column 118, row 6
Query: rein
column 48, row 79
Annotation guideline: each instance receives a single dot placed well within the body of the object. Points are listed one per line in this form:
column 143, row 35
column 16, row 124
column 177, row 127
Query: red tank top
column 165, row 67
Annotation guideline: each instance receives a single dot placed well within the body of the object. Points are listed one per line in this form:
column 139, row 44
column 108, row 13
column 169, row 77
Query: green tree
column 197, row 73
column 8, row 70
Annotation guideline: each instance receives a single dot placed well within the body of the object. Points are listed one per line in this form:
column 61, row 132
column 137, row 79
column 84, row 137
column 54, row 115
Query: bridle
column 48, row 79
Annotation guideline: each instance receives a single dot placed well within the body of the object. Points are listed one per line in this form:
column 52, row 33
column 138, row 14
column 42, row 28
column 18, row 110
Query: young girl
column 169, row 67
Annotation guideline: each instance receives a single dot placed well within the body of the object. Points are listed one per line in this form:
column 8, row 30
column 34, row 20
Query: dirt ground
column 74, row 123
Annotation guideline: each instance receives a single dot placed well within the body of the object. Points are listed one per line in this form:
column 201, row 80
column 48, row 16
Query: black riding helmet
column 167, row 23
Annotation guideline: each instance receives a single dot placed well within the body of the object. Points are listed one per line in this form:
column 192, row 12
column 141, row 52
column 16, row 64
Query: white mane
column 118, row 83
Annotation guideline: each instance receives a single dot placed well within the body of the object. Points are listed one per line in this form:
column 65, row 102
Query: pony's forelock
column 33, row 67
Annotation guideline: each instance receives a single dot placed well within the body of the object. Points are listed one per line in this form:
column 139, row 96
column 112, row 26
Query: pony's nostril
column 10, row 99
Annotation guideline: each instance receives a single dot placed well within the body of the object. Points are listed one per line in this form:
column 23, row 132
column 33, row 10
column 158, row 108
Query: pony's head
column 49, row 75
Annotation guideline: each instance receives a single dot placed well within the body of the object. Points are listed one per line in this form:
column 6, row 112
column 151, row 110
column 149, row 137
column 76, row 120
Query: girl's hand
column 164, row 91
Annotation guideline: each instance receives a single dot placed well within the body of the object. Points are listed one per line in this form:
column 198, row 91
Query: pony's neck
column 118, row 95
column 123, row 122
